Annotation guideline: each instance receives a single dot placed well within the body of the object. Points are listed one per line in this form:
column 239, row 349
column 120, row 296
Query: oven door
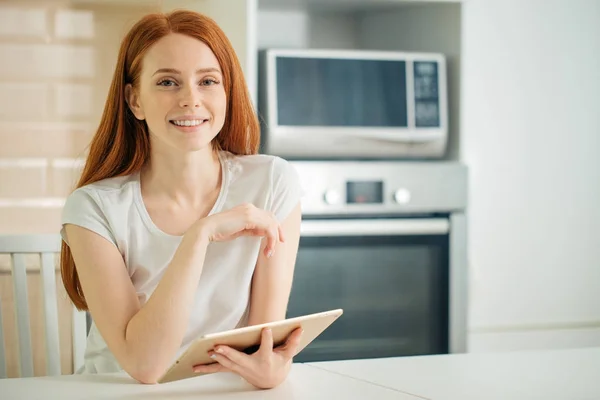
column 389, row 275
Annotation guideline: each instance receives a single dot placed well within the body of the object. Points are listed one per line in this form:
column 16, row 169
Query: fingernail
column 270, row 253
column 213, row 356
column 219, row 350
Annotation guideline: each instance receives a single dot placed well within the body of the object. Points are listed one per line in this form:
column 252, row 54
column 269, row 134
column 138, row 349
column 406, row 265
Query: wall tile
column 47, row 61
column 74, row 24
column 24, row 220
column 73, row 99
column 22, row 178
column 23, row 100
column 20, row 21
column 63, row 176
column 44, row 139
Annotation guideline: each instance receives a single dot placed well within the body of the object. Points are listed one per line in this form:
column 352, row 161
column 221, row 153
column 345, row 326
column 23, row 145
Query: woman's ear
column 133, row 101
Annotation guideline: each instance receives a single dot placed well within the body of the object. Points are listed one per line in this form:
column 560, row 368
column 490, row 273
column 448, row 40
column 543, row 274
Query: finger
column 249, row 232
column 226, row 362
column 281, row 235
column 239, row 358
column 256, row 232
column 292, row 343
column 210, row 368
column 266, row 343
column 270, row 247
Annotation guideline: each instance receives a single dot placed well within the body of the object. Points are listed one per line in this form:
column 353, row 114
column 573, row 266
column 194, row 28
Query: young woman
column 177, row 227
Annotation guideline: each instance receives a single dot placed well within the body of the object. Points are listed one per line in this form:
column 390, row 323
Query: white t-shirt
column 113, row 208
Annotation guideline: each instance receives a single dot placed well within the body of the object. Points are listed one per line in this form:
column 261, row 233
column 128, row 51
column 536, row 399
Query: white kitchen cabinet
column 552, row 337
column 531, row 90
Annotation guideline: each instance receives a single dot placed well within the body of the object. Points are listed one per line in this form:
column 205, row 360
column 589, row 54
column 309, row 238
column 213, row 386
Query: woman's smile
column 189, row 124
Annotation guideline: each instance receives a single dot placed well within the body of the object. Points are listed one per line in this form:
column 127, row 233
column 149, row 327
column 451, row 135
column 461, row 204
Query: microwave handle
column 408, row 137
column 375, row 227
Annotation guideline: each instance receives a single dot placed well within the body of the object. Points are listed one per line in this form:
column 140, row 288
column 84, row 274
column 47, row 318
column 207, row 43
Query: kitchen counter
column 572, row 374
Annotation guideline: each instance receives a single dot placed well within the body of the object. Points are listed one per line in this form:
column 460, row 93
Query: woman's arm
column 272, row 280
column 271, row 287
column 143, row 339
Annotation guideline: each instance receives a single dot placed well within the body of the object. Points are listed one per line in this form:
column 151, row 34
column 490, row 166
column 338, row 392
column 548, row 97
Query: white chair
column 46, row 246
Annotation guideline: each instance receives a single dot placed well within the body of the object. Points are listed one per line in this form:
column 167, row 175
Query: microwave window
column 341, row 92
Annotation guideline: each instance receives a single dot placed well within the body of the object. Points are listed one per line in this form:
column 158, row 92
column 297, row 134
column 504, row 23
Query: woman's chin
column 188, row 143
column 199, row 144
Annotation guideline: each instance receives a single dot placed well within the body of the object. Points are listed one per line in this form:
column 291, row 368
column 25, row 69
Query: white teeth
column 188, row 122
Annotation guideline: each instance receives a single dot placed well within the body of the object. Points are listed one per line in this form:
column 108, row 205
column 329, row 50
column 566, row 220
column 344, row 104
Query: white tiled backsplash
column 57, row 62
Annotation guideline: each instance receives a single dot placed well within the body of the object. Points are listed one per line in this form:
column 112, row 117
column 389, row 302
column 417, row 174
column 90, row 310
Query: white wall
column 531, row 137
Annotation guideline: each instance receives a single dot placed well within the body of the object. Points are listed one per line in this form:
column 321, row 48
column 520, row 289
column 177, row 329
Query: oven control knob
column 402, row 196
column 331, row 197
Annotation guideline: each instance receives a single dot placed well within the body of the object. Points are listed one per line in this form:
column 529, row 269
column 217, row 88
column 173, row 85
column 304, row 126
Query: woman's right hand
column 243, row 220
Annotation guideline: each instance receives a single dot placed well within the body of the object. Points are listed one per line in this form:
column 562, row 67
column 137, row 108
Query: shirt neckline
column 151, row 226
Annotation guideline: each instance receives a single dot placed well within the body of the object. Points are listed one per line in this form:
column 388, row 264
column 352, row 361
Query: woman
column 178, row 228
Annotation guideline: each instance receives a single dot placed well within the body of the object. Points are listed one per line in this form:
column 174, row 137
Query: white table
column 304, row 382
column 548, row 375
column 555, row 374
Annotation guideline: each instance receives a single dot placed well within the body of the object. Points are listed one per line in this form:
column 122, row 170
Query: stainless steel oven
column 387, row 243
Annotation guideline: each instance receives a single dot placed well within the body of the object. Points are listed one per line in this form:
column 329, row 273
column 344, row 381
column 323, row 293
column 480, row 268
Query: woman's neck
column 187, row 180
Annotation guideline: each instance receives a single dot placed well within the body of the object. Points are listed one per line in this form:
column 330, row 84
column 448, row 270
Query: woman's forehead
column 182, row 53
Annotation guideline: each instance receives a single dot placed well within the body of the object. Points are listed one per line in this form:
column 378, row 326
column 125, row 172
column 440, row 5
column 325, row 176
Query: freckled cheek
column 214, row 103
column 220, row 103
column 160, row 106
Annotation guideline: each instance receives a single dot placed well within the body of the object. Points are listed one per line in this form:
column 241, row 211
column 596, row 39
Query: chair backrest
column 18, row 246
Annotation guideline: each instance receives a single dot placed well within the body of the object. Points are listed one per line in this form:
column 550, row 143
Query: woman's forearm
column 154, row 334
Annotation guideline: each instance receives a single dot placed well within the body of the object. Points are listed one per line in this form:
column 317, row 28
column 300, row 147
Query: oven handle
column 375, row 227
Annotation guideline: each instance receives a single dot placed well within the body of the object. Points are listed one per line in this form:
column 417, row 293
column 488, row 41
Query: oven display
column 366, row 192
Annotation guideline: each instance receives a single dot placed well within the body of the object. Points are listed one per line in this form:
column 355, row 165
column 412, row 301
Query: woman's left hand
column 265, row 369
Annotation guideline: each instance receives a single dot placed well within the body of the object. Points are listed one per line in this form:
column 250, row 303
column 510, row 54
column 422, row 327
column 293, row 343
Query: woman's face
column 180, row 94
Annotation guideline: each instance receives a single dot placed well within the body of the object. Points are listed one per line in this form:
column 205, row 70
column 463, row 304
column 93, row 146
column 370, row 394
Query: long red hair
column 121, row 145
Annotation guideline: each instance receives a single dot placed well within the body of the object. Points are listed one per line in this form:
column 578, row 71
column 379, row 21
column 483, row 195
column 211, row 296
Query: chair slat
column 19, row 275
column 79, row 337
column 48, row 276
column 2, row 354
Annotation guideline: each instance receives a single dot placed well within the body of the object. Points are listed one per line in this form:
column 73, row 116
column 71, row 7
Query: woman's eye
column 208, row 82
column 166, row 82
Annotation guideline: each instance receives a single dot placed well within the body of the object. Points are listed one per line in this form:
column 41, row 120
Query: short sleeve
column 83, row 208
column 287, row 188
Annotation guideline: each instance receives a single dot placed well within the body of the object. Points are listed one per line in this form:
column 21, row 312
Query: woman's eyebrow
column 176, row 71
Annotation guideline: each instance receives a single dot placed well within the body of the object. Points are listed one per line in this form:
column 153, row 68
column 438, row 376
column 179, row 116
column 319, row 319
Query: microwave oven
column 348, row 104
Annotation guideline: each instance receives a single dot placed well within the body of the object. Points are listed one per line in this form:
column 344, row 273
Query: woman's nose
column 190, row 98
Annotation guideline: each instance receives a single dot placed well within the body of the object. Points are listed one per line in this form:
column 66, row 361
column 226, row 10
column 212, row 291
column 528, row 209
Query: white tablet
column 248, row 339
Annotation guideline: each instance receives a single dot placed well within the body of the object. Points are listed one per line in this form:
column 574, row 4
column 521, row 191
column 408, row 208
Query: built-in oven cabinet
column 391, row 277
